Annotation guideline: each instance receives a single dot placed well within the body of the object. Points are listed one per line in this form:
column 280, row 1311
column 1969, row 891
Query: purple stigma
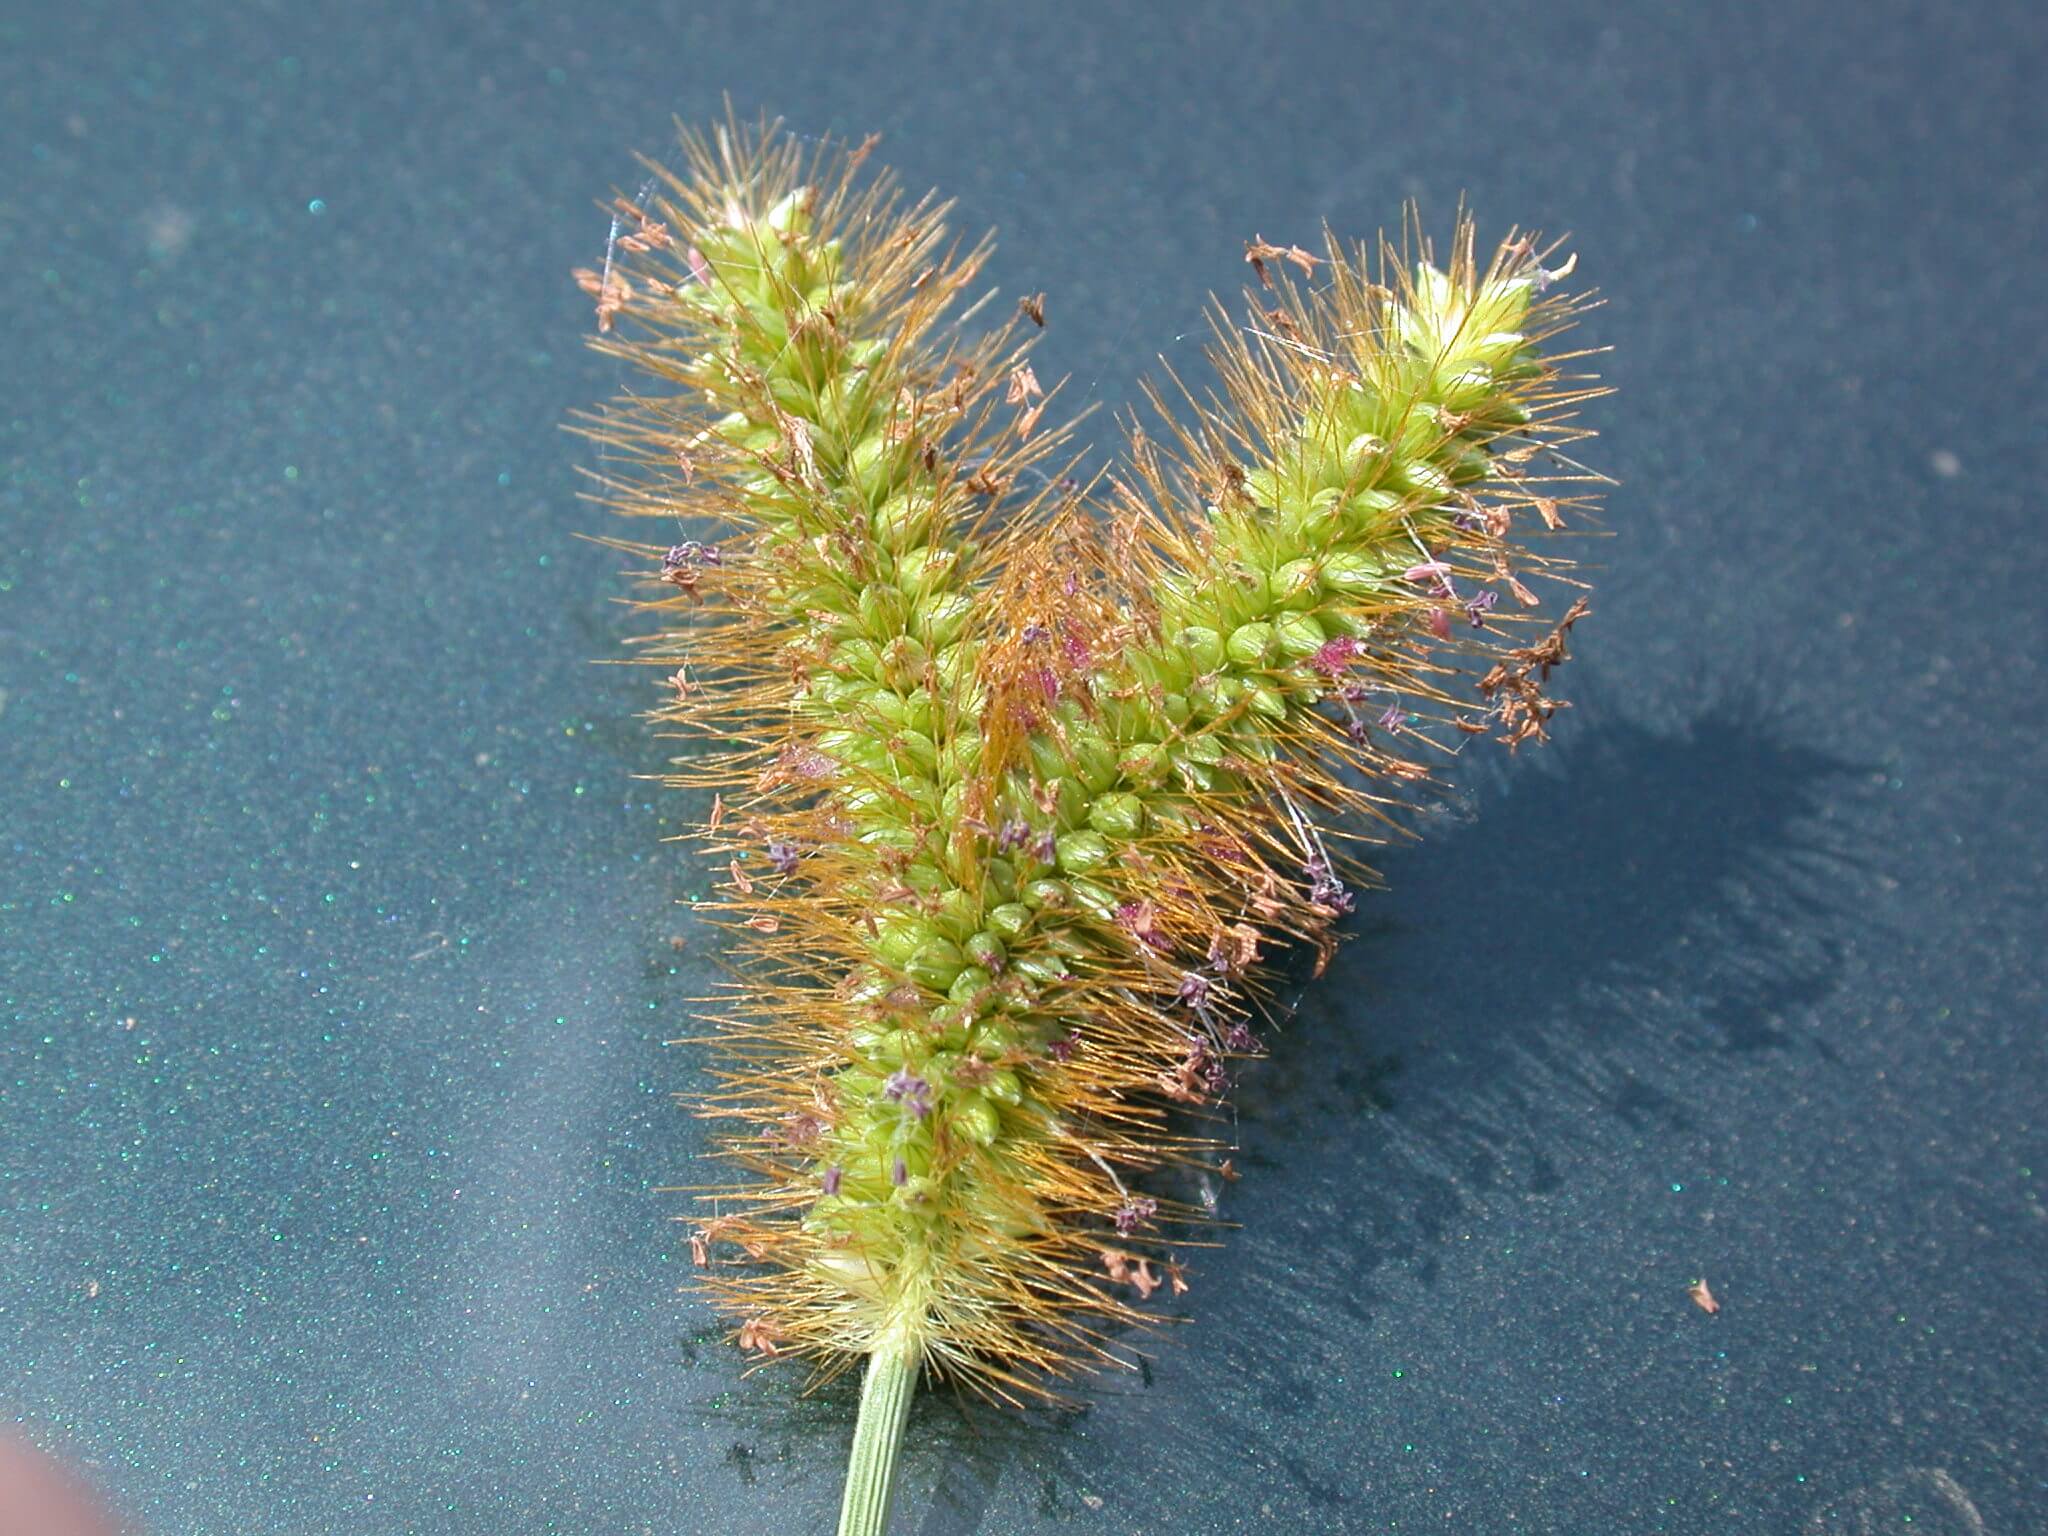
column 1333, row 656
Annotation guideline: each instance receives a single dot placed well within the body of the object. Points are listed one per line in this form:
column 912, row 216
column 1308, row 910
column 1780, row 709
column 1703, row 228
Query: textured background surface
column 334, row 927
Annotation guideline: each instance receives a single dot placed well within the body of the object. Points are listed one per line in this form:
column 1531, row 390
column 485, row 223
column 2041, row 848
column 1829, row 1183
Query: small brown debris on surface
column 1703, row 1297
column 1032, row 307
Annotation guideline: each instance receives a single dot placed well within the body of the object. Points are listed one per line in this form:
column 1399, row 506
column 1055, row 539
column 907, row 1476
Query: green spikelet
column 1011, row 810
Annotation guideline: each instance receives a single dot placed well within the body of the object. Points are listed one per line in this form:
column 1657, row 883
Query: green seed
column 1299, row 635
column 1011, row 918
column 1079, row 852
column 1204, row 647
column 1118, row 815
column 972, row 981
column 1047, row 895
column 1251, row 645
column 976, row 1119
column 935, row 963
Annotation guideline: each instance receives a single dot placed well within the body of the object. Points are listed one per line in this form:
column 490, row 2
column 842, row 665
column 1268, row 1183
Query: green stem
column 884, row 1408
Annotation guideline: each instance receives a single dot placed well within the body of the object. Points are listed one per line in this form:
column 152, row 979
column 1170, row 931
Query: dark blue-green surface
column 334, row 922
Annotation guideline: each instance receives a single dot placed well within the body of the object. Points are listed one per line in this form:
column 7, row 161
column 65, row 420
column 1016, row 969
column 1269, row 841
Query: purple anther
column 1391, row 720
column 1194, row 989
column 830, row 1183
column 1240, row 1039
column 1479, row 605
column 1134, row 1212
column 688, row 553
column 1013, row 834
column 1325, row 889
column 899, row 1173
column 1062, row 1049
column 1202, row 1064
column 1033, row 632
column 913, row 1093
column 1046, row 848
column 783, row 857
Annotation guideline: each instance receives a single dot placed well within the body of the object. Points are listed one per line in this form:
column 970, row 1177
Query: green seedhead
column 1019, row 782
